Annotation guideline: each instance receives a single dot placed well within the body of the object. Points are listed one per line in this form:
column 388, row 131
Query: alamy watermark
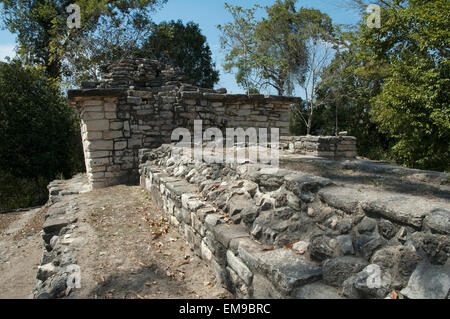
column 74, row 19
column 374, row 18
column 239, row 146
column 376, row 279
column 74, row 278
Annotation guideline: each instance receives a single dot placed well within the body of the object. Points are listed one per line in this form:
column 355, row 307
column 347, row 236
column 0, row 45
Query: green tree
column 36, row 125
column 266, row 53
column 45, row 39
column 412, row 107
column 346, row 87
column 395, row 79
column 183, row 46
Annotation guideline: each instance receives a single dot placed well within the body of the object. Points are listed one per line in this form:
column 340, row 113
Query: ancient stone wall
column 139, row 104
column 287, row 234
column 333, row 147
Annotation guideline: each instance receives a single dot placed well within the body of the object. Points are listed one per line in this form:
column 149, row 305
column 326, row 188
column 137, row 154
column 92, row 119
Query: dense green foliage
column 183, row 46
column 394, row 82
column 40, row 139
column 388, row 86
column 45, row 39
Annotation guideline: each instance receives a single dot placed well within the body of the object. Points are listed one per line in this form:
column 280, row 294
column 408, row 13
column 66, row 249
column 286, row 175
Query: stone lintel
column 97, row 93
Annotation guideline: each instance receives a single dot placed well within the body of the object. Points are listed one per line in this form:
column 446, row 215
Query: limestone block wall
column 333, row 147
column 293, row 235
column 139, row 104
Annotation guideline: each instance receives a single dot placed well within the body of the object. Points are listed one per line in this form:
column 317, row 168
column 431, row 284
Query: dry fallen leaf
column 215, row 187
column 289, row 246
column 102, row 279
column 394, row 294
column 268, row 249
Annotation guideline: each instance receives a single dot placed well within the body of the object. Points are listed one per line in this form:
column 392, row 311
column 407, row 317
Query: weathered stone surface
column 386, row 228
column 225, row 233
column 46, row 271
column 239, row 267
column 53, row 225
column 328, row 240
column 321, row 248
column 306, row 186
column 428, row 282
column 367, row 225
column 367, row 244
column 373, row 281
column 438, row 220
column 264, row 289
column 401, row 209
column 301, row 246
column 288, row 270
column 316, row 290
column 337, row 270
column 436, row 248
column 345, row 244
column 346, row 199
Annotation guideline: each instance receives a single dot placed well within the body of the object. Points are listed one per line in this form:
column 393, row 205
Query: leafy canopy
column 44, row 37
column 36, row 124
column 183, row 46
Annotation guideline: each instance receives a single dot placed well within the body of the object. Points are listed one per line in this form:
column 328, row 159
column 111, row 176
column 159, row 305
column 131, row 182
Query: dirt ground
column 128, row 250
column 20, row 252
column 132, row 252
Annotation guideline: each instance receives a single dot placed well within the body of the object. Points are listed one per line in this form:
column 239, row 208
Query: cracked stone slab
column 288, row 270
column 407, row 210
column 239, row 267
column 438, row 220
column 343, row 198
column 428, row 282
column 53, row 225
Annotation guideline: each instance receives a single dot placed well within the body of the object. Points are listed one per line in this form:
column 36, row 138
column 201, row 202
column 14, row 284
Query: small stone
column 367, row 244
column 438, row 220
column 337, row 270
column 321, row 249
column 54, row 241
column 301, row 246
column 367, row 225
column 54, row 225
column 344, row 225
column 345, row 244
column 46, row 271
column 386, row 228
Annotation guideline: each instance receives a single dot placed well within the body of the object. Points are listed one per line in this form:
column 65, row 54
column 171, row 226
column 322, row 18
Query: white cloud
column 7, row 50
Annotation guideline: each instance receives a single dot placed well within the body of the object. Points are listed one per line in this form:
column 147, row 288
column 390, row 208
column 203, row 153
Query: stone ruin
column 140, row 102
column 266, row 234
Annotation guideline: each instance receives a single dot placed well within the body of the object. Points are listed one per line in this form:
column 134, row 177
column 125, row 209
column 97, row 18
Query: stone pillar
column 103, row 137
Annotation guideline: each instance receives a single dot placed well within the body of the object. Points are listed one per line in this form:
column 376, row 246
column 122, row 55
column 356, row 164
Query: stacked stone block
column 288, row 234
column 140, row 102
column 333, row 147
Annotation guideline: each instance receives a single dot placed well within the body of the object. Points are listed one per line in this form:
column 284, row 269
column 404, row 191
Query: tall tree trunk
column 308, row 126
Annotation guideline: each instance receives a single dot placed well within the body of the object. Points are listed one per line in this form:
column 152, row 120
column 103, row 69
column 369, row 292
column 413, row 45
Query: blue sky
column 208, row 14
